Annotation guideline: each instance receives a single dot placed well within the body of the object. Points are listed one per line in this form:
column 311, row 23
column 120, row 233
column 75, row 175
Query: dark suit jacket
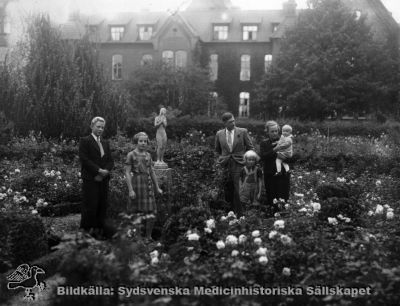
column 241, row 144
column 90, row 157
column 268, row 156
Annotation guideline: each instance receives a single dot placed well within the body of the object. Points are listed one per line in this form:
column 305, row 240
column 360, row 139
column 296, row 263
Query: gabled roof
column 203, row 22
column 198, row 22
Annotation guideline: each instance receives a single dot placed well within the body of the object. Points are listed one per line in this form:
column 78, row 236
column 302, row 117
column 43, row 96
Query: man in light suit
column 96, row 160
column 231, row 143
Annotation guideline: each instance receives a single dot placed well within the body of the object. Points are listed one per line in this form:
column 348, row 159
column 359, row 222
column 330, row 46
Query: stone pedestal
column 164, row 178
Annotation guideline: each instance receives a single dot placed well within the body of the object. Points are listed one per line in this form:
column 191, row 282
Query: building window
column 117, row 67
column 244, row 104
column 267, row 61
column 250, row 32
column 212, row 104
column 180, row 59
column 117, row 33
column 213, row 67
column 220, row 32
column 274, row 26
column 245, row 67
column 147, row 59
column 168, row 57
column 145, row 32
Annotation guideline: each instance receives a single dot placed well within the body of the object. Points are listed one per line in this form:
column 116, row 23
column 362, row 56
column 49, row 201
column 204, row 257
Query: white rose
column 286, row 271
column 272, row 234
column 220, row 244
column 263, row 260
column 286, row 240
column 332, row 221
column 34, row 212
column 154, row 254
column 231, row 214
column 255, row 233
column 235, row 253
column 210, row 223
column 278, row 224
column 389, row 215
column 261, row 251
column 379, row 209
column 242, row 238
column 208, row 230
column 316, row 206
column 193, row 236
column 257, row 241
column 231, row 240
column 370, row 213
column 154, row 261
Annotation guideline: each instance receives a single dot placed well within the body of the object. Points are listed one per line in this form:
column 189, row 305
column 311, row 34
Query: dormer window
column 220, row 32
column 117, row 33
column 145, row 32
column 250, row 32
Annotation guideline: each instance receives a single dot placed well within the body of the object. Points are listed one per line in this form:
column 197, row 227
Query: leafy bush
column 23, row 237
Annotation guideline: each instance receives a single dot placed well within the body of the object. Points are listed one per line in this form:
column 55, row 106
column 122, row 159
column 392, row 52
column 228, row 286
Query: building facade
column 237, row 45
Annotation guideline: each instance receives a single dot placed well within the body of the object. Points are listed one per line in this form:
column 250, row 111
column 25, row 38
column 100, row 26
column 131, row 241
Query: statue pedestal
column 164, row 178
column 160, row 166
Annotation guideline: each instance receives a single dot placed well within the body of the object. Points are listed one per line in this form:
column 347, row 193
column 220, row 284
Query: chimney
column 289, row 8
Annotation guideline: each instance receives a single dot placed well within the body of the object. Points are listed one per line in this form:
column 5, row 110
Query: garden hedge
column 179, row 127
column 23, row 238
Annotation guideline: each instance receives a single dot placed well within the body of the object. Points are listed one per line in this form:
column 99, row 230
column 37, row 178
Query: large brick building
column 238, row 45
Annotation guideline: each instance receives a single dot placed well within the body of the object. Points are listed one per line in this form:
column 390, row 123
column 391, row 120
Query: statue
column 160, row 122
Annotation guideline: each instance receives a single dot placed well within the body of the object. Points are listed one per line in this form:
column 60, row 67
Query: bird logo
column 26, row 277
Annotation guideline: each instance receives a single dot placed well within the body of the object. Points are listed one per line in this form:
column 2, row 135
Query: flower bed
column 340, row 226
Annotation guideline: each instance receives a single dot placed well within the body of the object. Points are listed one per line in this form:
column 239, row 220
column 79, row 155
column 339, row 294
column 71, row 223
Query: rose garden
column 339, row 228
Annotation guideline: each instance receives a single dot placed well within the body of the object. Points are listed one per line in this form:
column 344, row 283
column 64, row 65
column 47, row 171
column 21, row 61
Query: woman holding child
column 277, row 184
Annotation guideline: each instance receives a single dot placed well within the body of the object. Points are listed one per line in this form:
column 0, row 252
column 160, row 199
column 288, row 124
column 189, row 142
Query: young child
column 140, row 177
column 286, row 150
column 250, row 182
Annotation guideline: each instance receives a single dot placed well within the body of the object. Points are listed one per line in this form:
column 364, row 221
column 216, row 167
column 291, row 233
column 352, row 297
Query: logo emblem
column 26, row 277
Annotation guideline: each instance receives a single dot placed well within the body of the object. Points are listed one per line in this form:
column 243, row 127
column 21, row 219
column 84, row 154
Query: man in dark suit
column 97, row 162
column 231, row 143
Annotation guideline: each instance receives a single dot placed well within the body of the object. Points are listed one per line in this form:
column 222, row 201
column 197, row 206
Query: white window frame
column 220, row 31
column 245, row 67
column 147, row 59
column 117, row 33
column 145, row 32
column 244, row 104
column 117, row 60
column 180, row 59
column 250, row 32
column 213, row 67
column 168, row 57
column 267, row 62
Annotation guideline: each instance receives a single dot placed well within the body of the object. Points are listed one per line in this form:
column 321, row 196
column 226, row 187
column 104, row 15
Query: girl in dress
column 140, row 178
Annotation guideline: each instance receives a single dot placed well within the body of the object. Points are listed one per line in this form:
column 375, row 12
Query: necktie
column 230, row 140
column 100, row 147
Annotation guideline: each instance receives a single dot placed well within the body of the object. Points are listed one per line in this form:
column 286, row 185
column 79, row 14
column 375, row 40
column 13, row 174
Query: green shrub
column 23, row 237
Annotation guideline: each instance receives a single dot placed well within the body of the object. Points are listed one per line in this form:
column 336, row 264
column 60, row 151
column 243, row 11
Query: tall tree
column 328, row 62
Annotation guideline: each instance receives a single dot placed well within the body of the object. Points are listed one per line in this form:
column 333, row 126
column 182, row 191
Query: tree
column 56, row 86
column 186, row 89
column 328, row 62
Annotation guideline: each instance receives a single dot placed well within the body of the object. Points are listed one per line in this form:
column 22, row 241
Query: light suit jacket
column 241, row 144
